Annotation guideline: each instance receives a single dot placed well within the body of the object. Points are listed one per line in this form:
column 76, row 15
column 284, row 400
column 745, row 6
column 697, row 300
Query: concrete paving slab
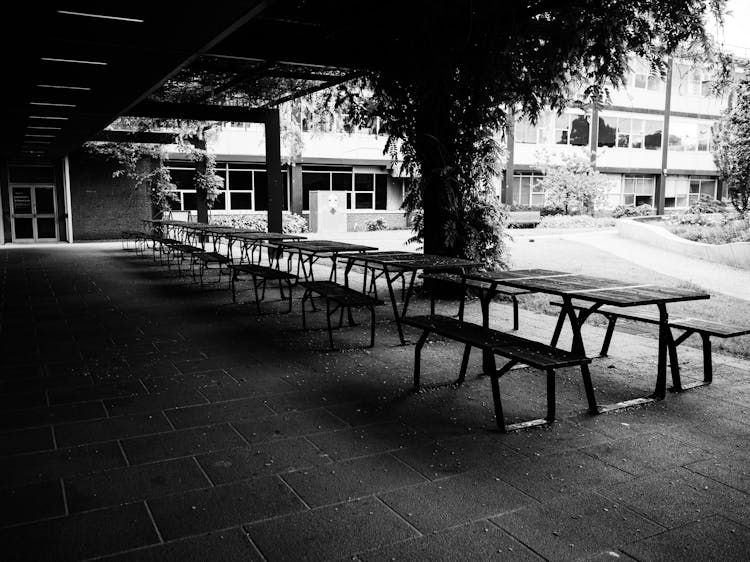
column 133, row 483
column 347, row 480
column 183, row 443
column 41, row 500
column 477, row 541
column 26, row 441
column 80, row 536
column 261, row 459
column 231, row 545
column 330, row 532
column 576, row 527
column 358, row 442
column 452, row 501
column 289, row 424
column 233, row 410
column 109, row 429
column 715, row 538
column 225, row 506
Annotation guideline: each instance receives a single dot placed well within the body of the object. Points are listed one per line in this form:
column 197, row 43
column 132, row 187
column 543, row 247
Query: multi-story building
column 652, row 139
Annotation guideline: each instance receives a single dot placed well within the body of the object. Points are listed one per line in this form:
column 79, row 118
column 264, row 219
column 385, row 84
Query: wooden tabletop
column 325, row 246
column 614, row 292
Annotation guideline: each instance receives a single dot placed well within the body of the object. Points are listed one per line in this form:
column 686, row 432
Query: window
column 245, row 188
column 363, row 190
column 572, row 129
column 526, row 133
column 629, row 132
column 526, row 190
column 643, row 78
column 689, row 136
column 683, row 191
column 693, row 82
column 638, row 190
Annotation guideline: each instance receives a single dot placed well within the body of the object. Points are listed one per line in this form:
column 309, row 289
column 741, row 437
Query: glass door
column 33, row 210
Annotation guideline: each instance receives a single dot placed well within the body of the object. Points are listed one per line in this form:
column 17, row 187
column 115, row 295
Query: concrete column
column 506, row 197
column 273, row 170
column 594, row 131
column 662, row 183
column 200, row 194
column 295, row 188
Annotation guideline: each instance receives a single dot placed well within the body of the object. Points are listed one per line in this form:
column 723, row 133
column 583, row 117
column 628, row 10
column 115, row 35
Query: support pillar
column 201, row 197
column 273, row 170
column 506, row 194
column 295, row 188
column 662, row 183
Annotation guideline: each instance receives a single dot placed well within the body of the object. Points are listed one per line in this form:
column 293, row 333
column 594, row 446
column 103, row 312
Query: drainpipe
column 510, row 140
column 661, row 187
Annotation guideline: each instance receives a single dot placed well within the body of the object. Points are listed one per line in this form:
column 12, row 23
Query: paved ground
column 143, row 419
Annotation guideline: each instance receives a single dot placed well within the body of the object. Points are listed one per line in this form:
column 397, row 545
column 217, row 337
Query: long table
column 599, row 291
column 396, row 265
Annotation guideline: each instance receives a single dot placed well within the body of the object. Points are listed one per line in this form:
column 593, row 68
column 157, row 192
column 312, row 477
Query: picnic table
column 598, row 292
column 395, row 265
column 250, row 240
column 310, row 251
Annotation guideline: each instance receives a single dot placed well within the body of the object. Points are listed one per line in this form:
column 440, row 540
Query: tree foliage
column 572, row 183
column 458, row 67
column 732, row 148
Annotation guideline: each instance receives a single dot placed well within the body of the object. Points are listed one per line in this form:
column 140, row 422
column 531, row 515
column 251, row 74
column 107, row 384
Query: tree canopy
column 732, row 147
column 458, row 68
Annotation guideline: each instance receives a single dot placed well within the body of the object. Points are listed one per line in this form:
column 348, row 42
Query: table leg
column 661, row 369
column 396, row 314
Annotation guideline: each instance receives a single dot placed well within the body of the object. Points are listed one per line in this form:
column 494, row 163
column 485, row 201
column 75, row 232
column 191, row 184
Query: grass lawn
column 575, row 257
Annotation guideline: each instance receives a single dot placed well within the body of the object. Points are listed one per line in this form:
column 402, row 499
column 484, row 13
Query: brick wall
column 356, row 221
column 101, row 205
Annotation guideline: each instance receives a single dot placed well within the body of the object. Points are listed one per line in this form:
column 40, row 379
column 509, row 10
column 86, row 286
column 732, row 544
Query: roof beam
column 143, row 137
column 197, row 112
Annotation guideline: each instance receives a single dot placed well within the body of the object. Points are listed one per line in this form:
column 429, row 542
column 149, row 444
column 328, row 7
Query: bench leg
column 515, row 311
column 233, row 285
column 708, row 370
column 589, row 388
column 608, row 335
column 255, row 290
column 418, row 358
column 464, row 364
column 304, row 316
column 289, row 287
column 558, row 329
column 674, row 364
column 495, row 380
column 550, row 396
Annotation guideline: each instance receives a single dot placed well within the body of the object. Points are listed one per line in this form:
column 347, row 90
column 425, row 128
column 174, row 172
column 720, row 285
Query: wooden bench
column 512, row 347
column 455, row 279
column 343, row 298
column 204, row 261
column 689, row 326
column 179, row 251
column 136, row 236
column 265, row 274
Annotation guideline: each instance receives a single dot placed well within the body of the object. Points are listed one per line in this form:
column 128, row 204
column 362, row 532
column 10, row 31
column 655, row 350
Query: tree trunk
column 201, row 196
column 434, row 152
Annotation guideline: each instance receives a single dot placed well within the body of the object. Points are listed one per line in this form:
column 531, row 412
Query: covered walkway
column 146, row 419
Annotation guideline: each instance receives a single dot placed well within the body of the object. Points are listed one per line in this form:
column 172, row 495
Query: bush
column 707, row 204
column 576, row 221
column 543, row 211
column 629, row 211
column 725, row 233
column 291, row 223
column 377, row 224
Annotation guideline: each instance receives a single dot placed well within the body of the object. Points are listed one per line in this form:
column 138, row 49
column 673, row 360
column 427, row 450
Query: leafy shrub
column 543, row 211
column 707, row 204
column 629, row 211
column 725, row 233
column 291, row 223
column 377, row 224
column 576, row 221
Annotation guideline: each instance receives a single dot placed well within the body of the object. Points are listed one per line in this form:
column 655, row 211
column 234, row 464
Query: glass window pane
column 654, row 83
column 183, row 179
column 579, row 131
column 652, row 141
column 220, row 202
column 363, row 200
column 525, row 193
column 176, row 204
column 561, row 136
column 190, row 201
column 24, row 227
column 622, row 141
column 363, row 182
column 21, row 200
column 343, row 182
column 636, row 141
column 636, row 126
column 314, row 181
column 695, row 186
column 381, row 191
column 537, row 199
column 561, row 121
column 681, row 201
column 640, row 80
column 240, row 180
column 242, row 201
column 607, row 131
column 708, row 188
column 261, row 191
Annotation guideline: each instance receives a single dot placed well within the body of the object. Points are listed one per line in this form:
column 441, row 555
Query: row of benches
column 338, row 298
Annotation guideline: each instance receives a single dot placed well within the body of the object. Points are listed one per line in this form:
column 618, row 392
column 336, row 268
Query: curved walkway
column 719, row 278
